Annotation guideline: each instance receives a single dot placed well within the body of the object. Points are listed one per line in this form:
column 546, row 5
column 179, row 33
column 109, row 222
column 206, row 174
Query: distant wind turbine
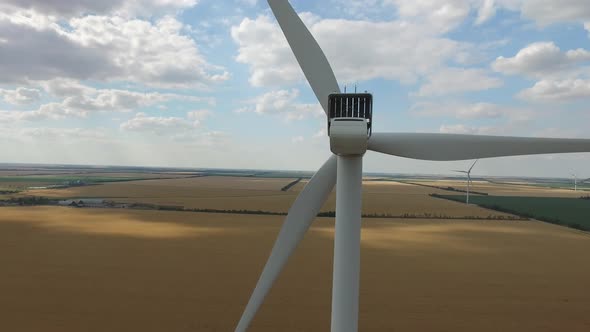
column 575, row 181
column 468, row 172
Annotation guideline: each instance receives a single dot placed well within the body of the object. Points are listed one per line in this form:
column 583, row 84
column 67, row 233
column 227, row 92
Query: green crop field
column 572, row 212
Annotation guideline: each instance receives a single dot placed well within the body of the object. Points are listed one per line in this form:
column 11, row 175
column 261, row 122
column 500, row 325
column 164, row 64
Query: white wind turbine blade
column 301, row 214
column 470, row 168
column 462, row 147
column 308, row 53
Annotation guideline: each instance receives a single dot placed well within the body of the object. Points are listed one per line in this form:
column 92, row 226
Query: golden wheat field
column 66, row 269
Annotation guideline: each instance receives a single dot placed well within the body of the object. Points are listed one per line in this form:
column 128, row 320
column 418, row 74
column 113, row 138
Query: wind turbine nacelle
column 349, row 122
column 348, row 136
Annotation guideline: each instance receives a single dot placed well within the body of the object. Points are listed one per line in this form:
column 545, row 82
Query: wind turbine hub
column 349, row 122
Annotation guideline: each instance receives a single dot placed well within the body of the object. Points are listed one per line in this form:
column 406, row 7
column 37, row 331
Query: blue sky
column 203, row 83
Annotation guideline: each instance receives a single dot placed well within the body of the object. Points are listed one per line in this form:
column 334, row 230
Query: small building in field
column 83, row 202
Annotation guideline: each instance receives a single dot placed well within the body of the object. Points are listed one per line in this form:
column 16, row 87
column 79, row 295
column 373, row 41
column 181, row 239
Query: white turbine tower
column 349, row 129
column 468, row 172
column 575, row 176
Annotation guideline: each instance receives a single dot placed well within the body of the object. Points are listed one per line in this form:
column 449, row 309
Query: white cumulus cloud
column 485, row 12
column 187, row 130
column 552, row 11
column 557, row 90
column 199, row 115
column 397, row 49
column 462, row 110
column 51, row 133
column 542, row 59
column 79, row 101
column 282, row 102
column 442, row 14
column 156, row 125
column 456, row 80
column 106, row 48
column 21, row 96
column 447, row 14
column 68, row 8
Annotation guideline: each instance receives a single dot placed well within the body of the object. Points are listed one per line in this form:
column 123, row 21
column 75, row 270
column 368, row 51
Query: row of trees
column 29, row 200
column 291, row 184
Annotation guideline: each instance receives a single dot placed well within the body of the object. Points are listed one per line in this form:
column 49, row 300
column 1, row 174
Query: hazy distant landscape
column 180, row 249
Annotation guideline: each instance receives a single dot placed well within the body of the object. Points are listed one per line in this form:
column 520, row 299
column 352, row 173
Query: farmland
column 119, row 270
column 250, row 193
column 97, row 269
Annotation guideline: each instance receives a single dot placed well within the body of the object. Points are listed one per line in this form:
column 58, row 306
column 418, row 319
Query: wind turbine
column 350, row 136
column 575, row 176
column 468, row 172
